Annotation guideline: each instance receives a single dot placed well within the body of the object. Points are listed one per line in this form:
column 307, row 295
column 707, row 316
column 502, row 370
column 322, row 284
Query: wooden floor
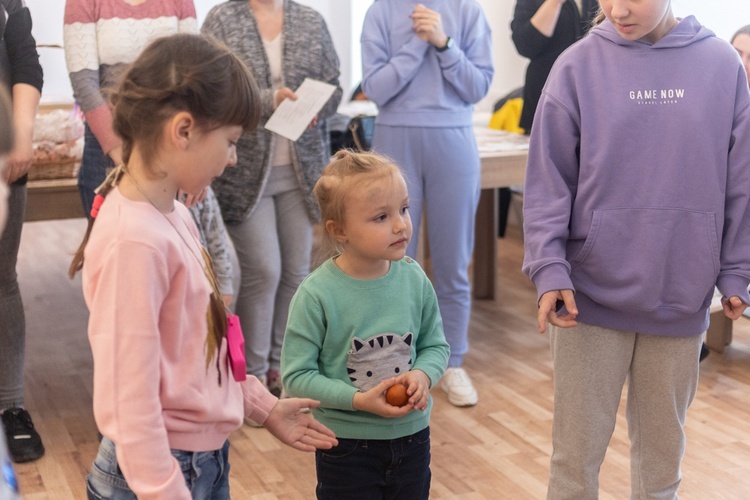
column 497, row 450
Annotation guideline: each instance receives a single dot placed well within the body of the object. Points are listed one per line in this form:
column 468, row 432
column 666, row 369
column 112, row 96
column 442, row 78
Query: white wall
column 723, row 17
column 344, row 19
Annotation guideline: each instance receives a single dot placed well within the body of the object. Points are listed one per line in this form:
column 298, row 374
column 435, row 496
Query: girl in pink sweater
column 165, row 394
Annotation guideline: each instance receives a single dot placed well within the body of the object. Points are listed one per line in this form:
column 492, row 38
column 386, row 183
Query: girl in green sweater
column 365, row 320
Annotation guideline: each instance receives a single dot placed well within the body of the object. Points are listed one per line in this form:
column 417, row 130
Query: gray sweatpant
column 591, row 365
column 273, row 247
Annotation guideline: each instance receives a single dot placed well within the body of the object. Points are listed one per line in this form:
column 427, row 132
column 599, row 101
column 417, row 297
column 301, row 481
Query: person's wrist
column 355, row 400
column 445, row 46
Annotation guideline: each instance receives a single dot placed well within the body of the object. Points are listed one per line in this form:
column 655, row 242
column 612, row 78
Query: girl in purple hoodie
column 636, row 206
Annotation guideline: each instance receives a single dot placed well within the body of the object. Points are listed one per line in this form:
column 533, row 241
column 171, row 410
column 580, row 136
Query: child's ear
column 181, row 129
column 335, row 231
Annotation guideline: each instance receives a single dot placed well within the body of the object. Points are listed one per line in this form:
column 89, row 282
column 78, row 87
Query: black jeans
column 375, row 469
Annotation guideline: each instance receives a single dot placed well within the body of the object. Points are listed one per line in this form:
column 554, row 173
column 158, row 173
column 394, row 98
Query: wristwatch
column 448, row 45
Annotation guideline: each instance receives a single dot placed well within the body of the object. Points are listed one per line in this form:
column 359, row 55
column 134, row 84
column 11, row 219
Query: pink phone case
column 236, row 347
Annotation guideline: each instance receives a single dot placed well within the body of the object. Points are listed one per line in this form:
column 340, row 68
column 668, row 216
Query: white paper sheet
column 291, row 118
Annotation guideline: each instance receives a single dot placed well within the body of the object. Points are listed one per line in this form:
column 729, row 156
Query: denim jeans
column 93, row 171
column 12, row 319
column 375, row 469
column 206, row 474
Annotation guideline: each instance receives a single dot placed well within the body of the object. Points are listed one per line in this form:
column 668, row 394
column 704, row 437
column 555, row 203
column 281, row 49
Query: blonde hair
column 599, row 18
column 347, row 170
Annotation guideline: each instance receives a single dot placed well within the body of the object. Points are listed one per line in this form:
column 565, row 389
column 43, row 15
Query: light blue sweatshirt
column 412, row 83
column 638, row 181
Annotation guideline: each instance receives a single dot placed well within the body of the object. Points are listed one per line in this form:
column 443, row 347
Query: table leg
column 485, row 245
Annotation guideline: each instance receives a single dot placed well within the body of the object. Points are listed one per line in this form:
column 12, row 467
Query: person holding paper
column 425, row 65
column 267, row 201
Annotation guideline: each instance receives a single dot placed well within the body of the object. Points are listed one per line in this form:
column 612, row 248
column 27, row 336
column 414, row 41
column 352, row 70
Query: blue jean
column 93, row 171
column 206, row 474
column 12, row 319
column 375, row 469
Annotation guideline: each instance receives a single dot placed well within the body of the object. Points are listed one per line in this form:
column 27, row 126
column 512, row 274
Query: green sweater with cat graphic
column 346, row 334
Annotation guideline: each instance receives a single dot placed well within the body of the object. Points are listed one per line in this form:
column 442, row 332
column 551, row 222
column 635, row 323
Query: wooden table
column 52, row 200
column 503, row 156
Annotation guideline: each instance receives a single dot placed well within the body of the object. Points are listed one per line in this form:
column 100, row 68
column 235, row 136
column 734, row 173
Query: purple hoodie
column 638, row 183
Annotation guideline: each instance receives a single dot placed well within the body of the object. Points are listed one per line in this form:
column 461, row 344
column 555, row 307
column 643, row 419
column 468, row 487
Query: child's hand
column 417, row 387
column 373, row 401
column 733, row 307
column 548, row 308
column 298, row 429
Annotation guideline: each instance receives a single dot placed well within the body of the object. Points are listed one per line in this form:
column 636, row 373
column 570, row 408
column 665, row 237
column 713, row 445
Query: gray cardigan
column 307, row 52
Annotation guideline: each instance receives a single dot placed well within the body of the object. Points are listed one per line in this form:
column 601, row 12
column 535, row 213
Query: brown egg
column 396, row 395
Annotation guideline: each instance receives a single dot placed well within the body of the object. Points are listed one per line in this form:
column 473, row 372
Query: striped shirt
column 102, row 37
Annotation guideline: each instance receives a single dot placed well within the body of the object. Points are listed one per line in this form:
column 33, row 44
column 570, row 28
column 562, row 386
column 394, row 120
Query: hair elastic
column 96, row 205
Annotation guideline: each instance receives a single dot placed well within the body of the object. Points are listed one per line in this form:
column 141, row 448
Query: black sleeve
column 529, row 42
column 21, row 47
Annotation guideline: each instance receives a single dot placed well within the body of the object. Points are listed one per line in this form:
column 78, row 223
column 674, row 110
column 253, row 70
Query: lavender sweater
column 413, row 84
column 638, row 183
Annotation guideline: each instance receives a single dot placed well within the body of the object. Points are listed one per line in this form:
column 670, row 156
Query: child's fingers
column 562, row 320
column 385, row 384
column 733, row 307
column 303, row 403
column 318, row 431
column 420, row 400
column 398, row 411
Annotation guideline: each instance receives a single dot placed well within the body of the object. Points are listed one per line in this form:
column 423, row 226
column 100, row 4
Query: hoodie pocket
column 649, row 258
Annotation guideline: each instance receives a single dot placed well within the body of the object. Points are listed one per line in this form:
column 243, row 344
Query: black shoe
column 24, row 443
column 704, row 352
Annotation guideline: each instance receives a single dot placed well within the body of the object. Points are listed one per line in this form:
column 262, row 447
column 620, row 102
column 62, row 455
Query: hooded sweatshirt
column 638, row 181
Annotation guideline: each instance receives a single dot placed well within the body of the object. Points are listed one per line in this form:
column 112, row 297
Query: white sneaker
column 457, row 384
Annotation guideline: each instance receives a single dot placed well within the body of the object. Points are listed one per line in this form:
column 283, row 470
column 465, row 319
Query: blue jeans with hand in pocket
column 206, row 474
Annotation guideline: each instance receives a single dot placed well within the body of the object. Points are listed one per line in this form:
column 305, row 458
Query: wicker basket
column 64, row 168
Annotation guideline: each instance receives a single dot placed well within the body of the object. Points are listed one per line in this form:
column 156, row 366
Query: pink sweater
column 148, row 296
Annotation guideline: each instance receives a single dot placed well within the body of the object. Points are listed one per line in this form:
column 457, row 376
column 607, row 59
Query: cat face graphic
column 380, row 357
